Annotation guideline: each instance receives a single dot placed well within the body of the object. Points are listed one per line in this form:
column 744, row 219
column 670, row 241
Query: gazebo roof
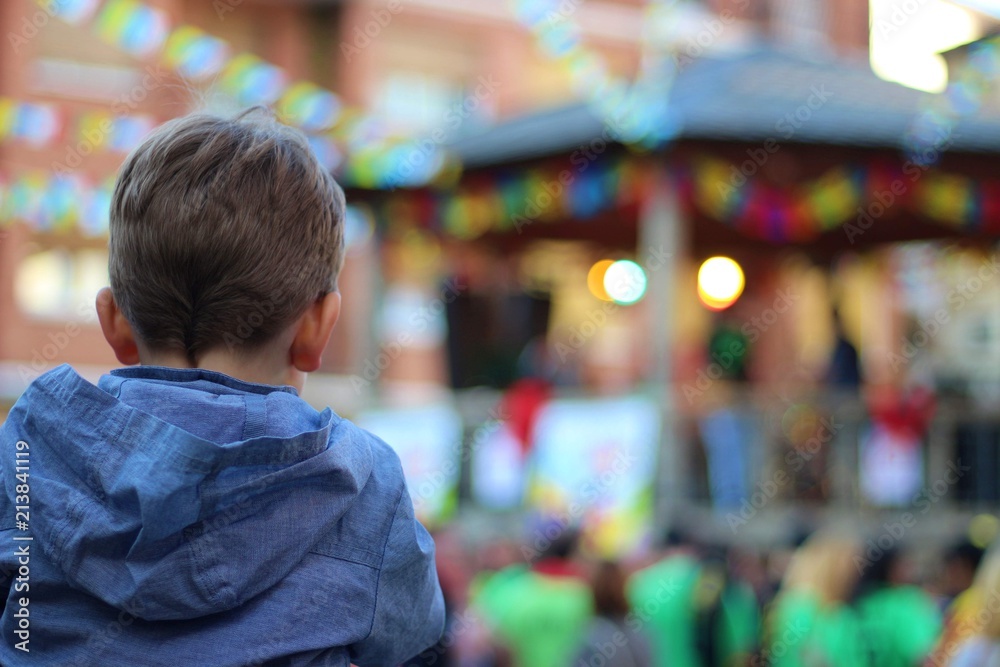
column 748, row 97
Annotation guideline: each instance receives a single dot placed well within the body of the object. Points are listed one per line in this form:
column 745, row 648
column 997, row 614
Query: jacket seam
column 351, row 555
column 385, row 547
column 344, row 559
column 201, row 575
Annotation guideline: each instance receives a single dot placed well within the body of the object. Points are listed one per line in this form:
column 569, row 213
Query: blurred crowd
column 829, row 599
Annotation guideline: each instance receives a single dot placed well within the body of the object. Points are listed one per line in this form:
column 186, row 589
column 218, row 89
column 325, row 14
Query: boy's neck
column 258, row 369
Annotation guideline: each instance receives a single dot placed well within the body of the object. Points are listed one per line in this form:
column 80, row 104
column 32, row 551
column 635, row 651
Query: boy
column 193, row 510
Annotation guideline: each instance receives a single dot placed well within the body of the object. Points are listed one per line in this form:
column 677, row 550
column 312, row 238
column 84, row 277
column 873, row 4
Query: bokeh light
column 595, row 279
column 983, row 530
column 625, row 282
column 720, row 282
column 799, row 423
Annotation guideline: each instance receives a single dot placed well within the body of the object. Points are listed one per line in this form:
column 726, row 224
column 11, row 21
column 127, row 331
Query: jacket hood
column 178, row 493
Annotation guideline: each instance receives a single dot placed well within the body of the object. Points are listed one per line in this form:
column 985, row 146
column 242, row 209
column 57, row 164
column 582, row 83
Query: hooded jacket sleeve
column 409, row 606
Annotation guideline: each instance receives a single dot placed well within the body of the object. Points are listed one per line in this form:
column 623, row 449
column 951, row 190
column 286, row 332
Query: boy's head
column 226, row 239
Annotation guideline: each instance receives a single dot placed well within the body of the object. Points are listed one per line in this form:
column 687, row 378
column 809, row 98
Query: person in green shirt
column 539, row 613
column 899, row 622
column 810, row 623
column 694, row 613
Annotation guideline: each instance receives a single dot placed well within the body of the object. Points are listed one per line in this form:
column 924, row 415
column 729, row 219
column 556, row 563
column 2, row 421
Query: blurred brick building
column 421, row 65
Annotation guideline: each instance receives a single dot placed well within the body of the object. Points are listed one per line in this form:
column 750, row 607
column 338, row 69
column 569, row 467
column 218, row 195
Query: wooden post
column 661, row 247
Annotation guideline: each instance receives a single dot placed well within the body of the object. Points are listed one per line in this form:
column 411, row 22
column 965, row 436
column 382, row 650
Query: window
column 60, row 283
column 411, row 101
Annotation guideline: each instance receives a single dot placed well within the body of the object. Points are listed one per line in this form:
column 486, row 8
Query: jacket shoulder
column 362, row 533
column 387, row 469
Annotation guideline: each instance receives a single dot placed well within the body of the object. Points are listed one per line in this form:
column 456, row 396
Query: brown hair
column 608, row 587
column 222, row 233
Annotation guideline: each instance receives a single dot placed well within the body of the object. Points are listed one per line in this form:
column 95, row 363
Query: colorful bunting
column 134, row 26
column 310, row 107
column 722, row 192
column 39, row 125
column 88, row 132
column 56, row 203
column 506, row 201
column 635, row 113
column 194, row 54
column 36, row 124
column 252, row 81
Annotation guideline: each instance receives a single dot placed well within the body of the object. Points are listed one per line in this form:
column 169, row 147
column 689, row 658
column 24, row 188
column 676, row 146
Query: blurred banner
column 498, row 471
column 594, row 463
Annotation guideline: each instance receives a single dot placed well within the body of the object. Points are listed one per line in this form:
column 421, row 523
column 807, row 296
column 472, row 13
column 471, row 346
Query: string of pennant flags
column 84, row 133
column 851, row 197
column 43, row 124
column 56, row 203
column 509, row 200
column 635, row 112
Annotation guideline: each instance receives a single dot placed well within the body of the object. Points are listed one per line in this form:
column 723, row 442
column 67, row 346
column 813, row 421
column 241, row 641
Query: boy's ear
column 314, row 331
column 117, row 330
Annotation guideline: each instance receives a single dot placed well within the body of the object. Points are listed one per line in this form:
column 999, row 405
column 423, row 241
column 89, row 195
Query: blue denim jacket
column 182, row 517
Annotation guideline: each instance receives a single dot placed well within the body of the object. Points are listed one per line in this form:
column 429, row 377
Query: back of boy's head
column 222, row 233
